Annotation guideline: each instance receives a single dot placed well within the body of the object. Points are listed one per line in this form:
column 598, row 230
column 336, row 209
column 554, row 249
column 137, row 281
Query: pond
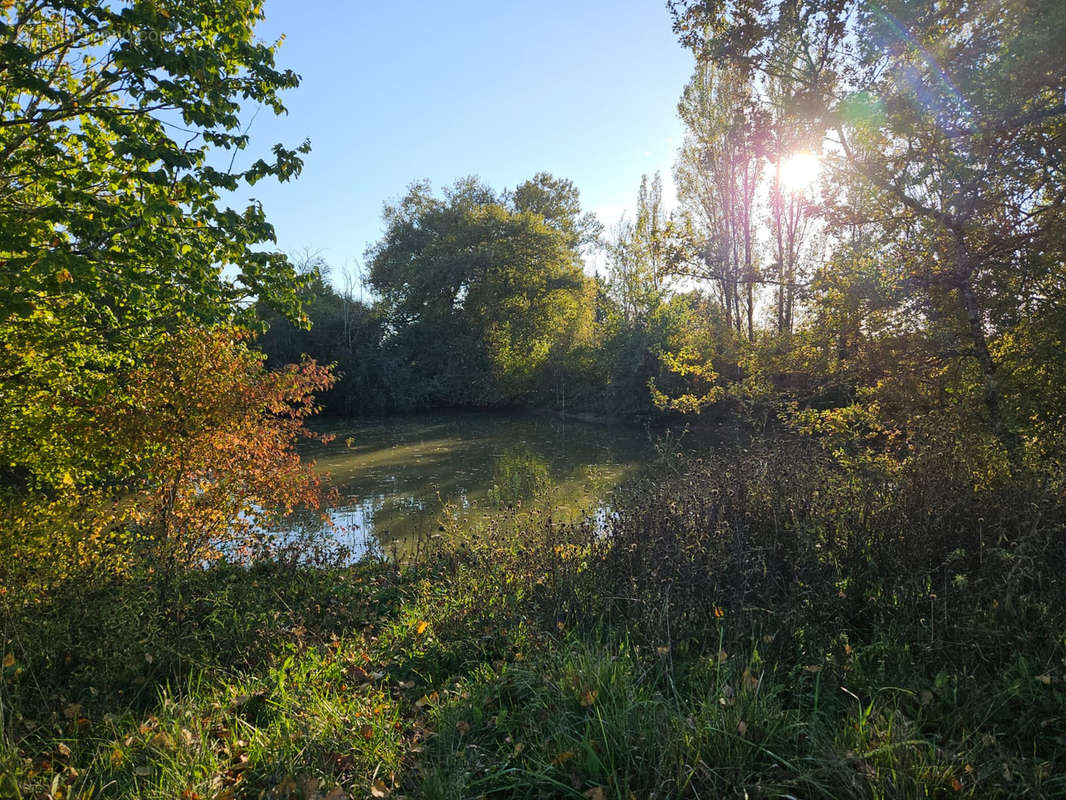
column 395, row 476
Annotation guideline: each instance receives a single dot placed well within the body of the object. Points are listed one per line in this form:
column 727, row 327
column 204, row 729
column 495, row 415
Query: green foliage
column 480, row 293
column 345, row 332
column 115, row 123
column 945, row 197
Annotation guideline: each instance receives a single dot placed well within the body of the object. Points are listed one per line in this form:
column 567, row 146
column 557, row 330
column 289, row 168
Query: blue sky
column 394, row 92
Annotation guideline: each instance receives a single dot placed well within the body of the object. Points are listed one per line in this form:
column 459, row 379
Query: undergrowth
column 759, row 623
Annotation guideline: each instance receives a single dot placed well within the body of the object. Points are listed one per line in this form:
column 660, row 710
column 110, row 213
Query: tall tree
column 952, row 116
column 120, row 127
column 478, row 292
column 718, row 175
column 637, row 254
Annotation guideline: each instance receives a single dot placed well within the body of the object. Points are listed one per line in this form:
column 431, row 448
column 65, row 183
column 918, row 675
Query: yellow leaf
column 9, row 660
column 64, row 276
column 563, row 757
column 379, row 789
column 421, row 627
column 588, row 697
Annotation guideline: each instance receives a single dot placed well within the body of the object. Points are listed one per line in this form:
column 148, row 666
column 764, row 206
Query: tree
column 120, row 127
column 559, row 202
column 718, row 175
column 951, row 117
column 637, row 255
column 479, row 293
column 204, row 436
column 345, row 332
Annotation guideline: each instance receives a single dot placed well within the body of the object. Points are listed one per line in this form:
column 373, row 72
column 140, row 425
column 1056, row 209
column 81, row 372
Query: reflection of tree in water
column 518, row 474
column 313, row 535
column 403, row 476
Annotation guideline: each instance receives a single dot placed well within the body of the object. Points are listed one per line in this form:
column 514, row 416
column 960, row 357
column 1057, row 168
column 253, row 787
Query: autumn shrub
column 199, row 438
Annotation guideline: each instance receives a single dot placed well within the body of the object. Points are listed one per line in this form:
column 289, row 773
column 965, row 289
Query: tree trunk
column 984, row 357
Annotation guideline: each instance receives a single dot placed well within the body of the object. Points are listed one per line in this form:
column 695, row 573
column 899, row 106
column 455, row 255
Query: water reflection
column 394, row 476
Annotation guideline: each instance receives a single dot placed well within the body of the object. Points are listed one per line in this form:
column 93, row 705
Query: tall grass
column 762, row 622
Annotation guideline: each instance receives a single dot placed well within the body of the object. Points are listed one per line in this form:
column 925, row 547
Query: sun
column 799, row 171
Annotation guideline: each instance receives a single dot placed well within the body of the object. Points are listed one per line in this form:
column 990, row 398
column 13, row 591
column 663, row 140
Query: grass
column 669, row 657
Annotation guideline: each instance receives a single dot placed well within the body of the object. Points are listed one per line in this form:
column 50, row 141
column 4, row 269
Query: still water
column 395, row 476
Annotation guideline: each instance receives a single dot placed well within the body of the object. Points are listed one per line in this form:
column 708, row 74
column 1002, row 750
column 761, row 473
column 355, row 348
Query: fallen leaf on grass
column 563, row 757
column 426, row 700
column 9, row 661
column 463, row 727
column 367, row 731
column 421, row 627
column 588, row 697
column 379, row 789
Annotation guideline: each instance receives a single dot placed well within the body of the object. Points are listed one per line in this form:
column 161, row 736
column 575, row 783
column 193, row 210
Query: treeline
column 859, row 248
column 480, row 299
